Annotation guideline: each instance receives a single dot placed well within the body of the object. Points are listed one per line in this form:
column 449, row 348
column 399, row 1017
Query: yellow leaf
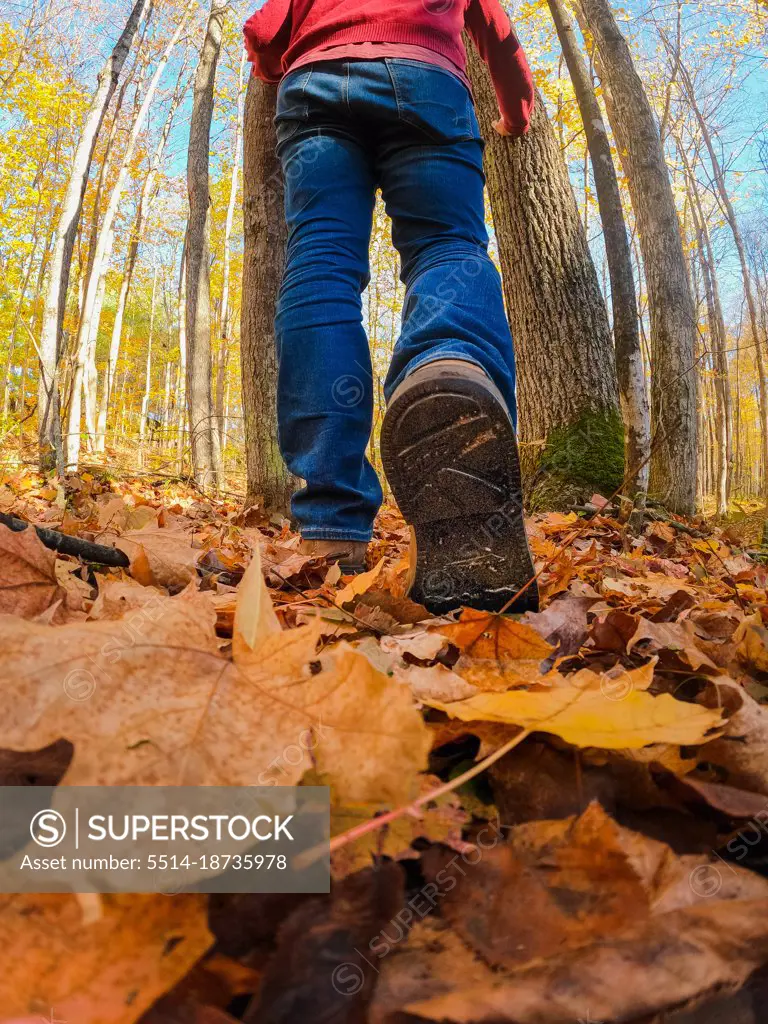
column 255, row 618
column 593, row 716
column 359, row 585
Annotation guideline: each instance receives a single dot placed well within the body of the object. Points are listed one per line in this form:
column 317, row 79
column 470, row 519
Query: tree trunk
column 629, row 358
column 264, row 241
column 49, row 426
column 718, row 337
column 143, row 422
column 673, row 320
column 570, row 426
column 225, row 321
column 203, row 428
column 181, row 402
column 89, row 319
column 738, row 238
column 148, row 193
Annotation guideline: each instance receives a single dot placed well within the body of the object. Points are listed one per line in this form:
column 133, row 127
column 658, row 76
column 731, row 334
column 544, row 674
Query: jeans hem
column 319, row 533
column 435, row 357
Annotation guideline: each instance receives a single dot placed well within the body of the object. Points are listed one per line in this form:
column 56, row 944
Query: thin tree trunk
column 570, row 425
column 738, row 238
column 181, row 403
column 148, row 192
column 49, row 426
column 88, row 327
column 718, row 340
column 629, row 358
column 222, row 383
column 264, row 242
column 673, row 321
column 25, row 276
column 203, row 427
column 143, row 422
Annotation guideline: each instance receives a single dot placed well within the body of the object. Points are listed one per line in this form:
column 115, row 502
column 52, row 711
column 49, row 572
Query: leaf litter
column 544, row 818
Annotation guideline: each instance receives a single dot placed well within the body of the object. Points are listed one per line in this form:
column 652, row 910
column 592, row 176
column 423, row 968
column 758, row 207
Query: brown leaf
column 105, row 972
column 743, row 747
column 563, row 884
column 28, row 582
column 317, row 972
column 160, row 557
column 496, row 637
column 429, row 964
column 706, row 949
column 563, row 623
column 752, row 640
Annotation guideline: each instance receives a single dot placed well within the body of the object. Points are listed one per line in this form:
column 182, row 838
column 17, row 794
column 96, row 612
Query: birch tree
column 86, row 339
column 629, row 359
column 203, row 427
column 672, row 313
column 49, row 426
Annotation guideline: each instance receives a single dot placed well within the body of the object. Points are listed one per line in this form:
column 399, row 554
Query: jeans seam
column 304, row 91
column 393, row 80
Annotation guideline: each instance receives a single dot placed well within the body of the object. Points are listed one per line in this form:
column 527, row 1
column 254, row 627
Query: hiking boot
column 350, row 554
column 449, row 450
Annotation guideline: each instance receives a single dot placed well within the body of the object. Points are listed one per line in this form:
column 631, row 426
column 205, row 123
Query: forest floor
column 611, row 866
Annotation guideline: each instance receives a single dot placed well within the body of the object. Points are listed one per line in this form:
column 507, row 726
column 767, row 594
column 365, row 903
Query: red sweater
column 284, row 31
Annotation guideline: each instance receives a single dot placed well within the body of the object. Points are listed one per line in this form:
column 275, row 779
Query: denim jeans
column 345, row 128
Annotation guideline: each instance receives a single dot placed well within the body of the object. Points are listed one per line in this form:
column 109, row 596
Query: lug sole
column 450, row 454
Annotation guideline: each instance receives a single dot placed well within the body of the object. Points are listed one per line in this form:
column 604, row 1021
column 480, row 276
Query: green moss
column 579, row 459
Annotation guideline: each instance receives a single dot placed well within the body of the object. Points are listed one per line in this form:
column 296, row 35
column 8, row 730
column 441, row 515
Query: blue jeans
column 344, row 128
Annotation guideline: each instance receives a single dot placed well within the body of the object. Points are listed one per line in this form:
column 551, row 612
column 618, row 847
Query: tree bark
column 49, row 426
column 203, row 428
column 672, row 315
column 738, row 238
column 570, row 427
column 265, row 237
column 148, row 192
column 718, row 337
column 629, row 358
column 89, row 319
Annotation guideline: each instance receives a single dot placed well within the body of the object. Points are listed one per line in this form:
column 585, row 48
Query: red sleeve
column 500, row 48
column 267, row 33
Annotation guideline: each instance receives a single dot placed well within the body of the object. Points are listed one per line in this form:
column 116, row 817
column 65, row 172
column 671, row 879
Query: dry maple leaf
column 576, row 912
column 359, row 584
column 107, row 972
column 28, row 581
column 607, row 712
column 705, row 950
column 160, row 557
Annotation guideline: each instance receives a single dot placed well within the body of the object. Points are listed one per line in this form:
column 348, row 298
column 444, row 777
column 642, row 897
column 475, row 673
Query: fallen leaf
column 160, row 557
column 106, row 972
column 613, row 717
column 255, row 618
column 28, row 582
column 359, row 584
column 706, row 949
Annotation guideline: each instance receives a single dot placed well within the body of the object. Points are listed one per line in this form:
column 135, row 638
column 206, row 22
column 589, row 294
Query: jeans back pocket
column 433, row 100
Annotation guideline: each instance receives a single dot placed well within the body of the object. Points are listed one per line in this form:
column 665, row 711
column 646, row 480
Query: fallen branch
column 65, row 545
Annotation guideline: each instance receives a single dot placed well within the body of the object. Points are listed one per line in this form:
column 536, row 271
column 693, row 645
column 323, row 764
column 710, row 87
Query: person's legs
column 430, row 165
column 448, row 441
column 325, row 395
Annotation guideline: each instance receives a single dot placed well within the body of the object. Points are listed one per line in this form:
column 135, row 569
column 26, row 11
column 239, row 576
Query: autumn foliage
column 602, row 865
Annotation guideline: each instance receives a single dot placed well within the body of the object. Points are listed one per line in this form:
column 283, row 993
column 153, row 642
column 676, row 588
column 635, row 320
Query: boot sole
column 450, row 454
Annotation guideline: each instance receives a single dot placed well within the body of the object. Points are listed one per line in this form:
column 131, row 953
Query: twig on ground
column 101, row 554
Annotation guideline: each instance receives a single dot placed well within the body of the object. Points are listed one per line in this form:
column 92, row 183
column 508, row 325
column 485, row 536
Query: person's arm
column 267, row 33
column 497, row 44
